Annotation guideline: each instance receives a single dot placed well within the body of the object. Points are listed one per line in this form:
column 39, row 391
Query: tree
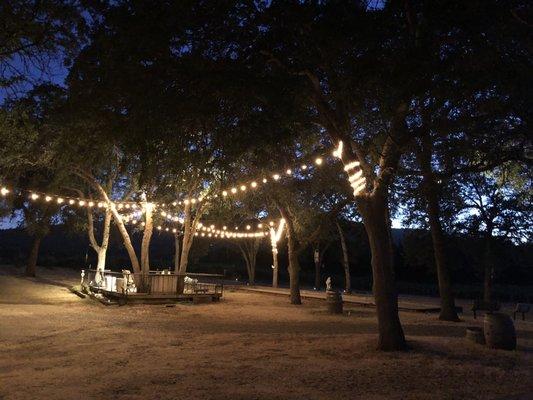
column 35, row 36
column 496, row 205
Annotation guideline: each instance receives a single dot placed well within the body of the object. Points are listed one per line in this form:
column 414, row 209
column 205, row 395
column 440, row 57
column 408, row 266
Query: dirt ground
column 54, row 345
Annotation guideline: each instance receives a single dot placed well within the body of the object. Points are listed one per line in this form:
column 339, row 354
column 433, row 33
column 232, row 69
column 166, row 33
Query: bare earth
column 54, row 345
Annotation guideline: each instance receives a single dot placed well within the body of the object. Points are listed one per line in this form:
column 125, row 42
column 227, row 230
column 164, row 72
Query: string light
column 4, row 191
column 354, row 171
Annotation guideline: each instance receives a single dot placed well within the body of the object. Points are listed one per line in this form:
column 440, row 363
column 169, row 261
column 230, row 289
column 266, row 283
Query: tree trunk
column 116, row 217
column 187, row 239
column 447, row 300
column 275, row 269
column 345, row 260
column 275, row 264
column 374, row 211
column 294, row 263
column 176, row 253
column 317, row 259
column 147, row 237
column 31, row 265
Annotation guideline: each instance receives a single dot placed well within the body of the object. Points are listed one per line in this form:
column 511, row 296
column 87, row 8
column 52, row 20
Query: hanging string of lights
column 235, row 190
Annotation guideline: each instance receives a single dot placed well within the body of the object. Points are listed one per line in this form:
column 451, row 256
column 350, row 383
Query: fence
column 151, row 283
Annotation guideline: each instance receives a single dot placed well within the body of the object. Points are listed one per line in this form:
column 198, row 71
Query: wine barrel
column 334, row 302
column 499, row 331
column 475, row 334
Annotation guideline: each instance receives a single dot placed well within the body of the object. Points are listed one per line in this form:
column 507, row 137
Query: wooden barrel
column 499, row 331
column 334, row 302
column 475, row 334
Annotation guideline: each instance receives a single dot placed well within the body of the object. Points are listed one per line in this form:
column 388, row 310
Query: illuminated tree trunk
column 345, row 260
column 275, row 269
column 116, row 217
column 374, row 210
column 176, row 252
column 31, row 265
column 101, row 250
column 147, row 237
column 187, row 238
column 294, row 263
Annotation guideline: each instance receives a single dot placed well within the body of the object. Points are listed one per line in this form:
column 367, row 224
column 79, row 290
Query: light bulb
column 233, row 190
column 265, row 180
column 276, row 177
column 4, row 191
column 243, row 187
column 71, row 202
column 304, row 167
column 248, row 227
column 47, row 198
column 253, row 184
column 289, row 171
column 318, row 161
column 224, row 193
column 34, row 196
column 81, row 203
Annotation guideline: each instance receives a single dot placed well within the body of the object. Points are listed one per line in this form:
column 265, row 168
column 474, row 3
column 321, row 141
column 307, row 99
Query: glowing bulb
column 338, row 151
column 47, row 198
column 127, row 206
column 186, row 201
column 90, row 204
column 224, row 193
column 193, row 201
column 318, row 161
column 174, row 203
column 4, row 191
column 276, row 177
column 34, row 196
column 233, row 190
column 71, row 202
column 271, row 223
column 259, row 226
column 289, row 171
column 243, row 187
column 81, row 203
column 265, row 180
column 59, row 200
column 224, row 227
column 304, row 167
column 159, row 227
column 248, row 227
column 253, row 184
column 212, row 226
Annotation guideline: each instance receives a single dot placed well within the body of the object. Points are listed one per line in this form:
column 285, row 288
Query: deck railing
column 153, row 282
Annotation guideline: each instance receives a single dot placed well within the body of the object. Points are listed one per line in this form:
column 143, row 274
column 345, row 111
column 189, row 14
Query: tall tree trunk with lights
column 294, row 263
column 147, row 236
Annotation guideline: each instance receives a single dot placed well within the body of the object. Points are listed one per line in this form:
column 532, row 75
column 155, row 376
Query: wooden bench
column 482, row 305
column 522, row 308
